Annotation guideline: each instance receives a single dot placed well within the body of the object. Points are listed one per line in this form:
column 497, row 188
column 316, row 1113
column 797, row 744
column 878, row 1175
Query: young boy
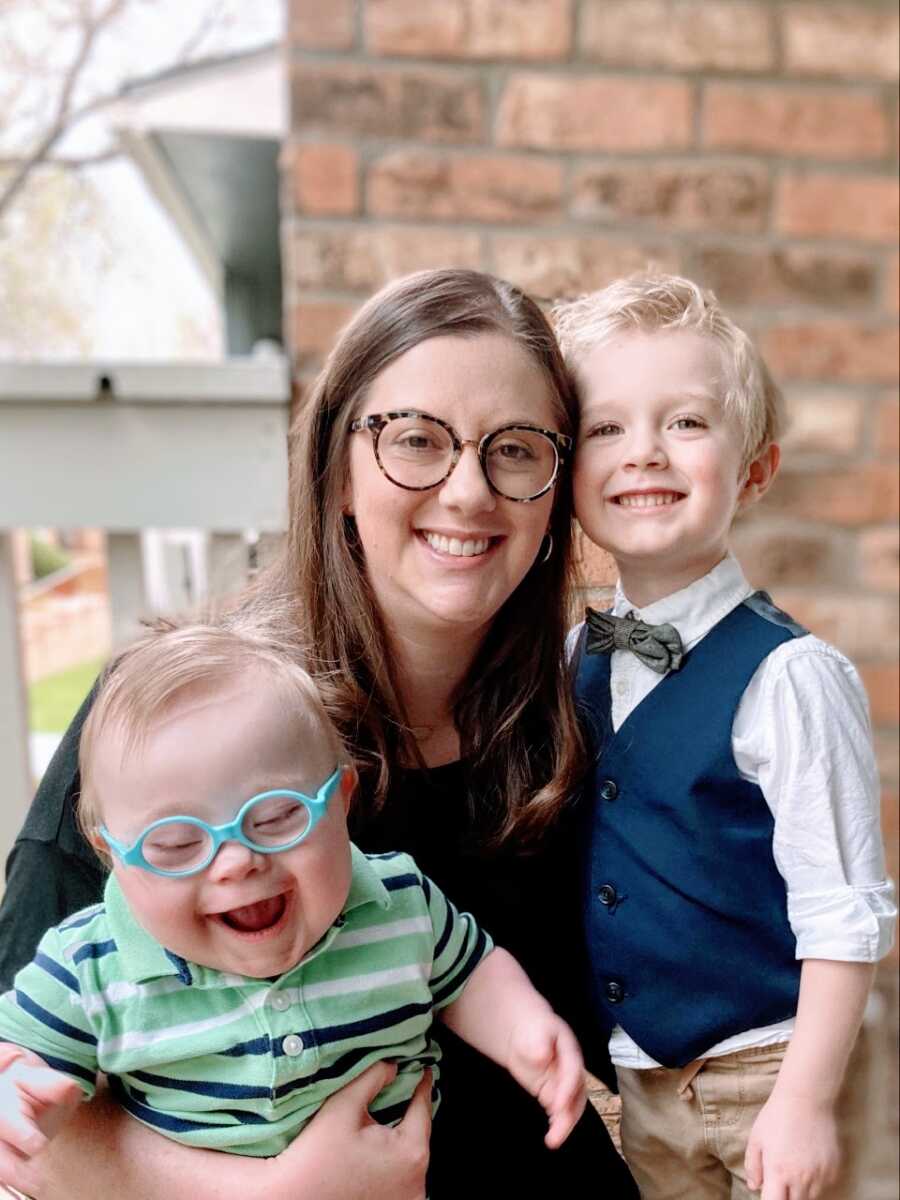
column 736, row 897
column 248, row 961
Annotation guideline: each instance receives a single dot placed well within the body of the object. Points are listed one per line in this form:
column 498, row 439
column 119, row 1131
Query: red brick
column 785, row 276
column 890, row 810
column 833, row 350
column 684, row 35
column 864, row 208
column 360, row 258
column 417, row 183
column 890, row 825
column 548, row 112
column 861, row 626
column 354, row 100
column 822, row 422
column 892, row 284
column 471, row 29
column 595, row 567
column 325, row 179
column 887, row 427
column 318, row 26
column 879, row 559
column 887, row 752
column 862, row 496
column 774, row 554
column 730, row 197
column 854, row 40
column 315, row 325
column 553, row 267
column 822, row 122
column 882, row 682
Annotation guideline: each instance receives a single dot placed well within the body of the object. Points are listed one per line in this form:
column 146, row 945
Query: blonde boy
column 735, row 896
column 248, row 961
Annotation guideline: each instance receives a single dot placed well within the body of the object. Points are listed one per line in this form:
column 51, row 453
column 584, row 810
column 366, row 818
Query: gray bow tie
column 658, row 646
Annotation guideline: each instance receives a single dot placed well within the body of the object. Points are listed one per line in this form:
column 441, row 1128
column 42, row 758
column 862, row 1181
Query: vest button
column 615, row 993
column 608, row 790
column 607, row 895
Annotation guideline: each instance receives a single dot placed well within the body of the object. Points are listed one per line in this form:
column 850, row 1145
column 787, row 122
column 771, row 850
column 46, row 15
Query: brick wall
column 751, row 144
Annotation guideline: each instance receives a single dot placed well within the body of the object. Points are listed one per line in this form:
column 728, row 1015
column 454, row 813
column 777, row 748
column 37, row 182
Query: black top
column 487, row 1139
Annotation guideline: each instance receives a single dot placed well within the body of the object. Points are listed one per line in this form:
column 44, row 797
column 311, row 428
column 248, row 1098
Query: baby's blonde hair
column 652, row 303
column 143, row 683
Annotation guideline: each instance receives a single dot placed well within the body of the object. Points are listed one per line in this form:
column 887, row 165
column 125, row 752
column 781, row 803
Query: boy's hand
column 545, row 1058
column 793, row 1151
column 34, row 1102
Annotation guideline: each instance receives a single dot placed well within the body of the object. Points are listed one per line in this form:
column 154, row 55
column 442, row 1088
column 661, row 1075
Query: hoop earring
column 545, row 557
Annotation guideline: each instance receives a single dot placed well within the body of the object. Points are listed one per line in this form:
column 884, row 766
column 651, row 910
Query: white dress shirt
column 801, row 734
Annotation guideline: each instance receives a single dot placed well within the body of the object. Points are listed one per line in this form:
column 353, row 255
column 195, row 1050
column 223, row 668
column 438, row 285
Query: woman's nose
column 466, row 489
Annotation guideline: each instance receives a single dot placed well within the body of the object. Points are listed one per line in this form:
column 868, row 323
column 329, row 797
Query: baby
column 248, row 961
column 735, row 891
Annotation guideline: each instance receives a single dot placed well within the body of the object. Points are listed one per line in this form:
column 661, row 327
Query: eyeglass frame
column 376, row 422
column 316, row 806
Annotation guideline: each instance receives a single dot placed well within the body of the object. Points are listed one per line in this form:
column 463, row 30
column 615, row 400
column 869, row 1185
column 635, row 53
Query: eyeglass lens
column 417, row 452
column 180, row 845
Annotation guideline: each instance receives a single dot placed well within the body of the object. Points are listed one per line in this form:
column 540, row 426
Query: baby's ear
column 759, row 475
column 349, row 780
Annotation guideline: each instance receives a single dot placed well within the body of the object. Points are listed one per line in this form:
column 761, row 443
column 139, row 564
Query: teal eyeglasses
column 268, row 823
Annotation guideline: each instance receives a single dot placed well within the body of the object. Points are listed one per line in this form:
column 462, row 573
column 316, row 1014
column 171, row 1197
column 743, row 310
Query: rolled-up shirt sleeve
column 802, row 734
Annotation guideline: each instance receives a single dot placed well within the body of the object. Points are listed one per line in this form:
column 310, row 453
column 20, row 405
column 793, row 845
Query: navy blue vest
column 685, row 911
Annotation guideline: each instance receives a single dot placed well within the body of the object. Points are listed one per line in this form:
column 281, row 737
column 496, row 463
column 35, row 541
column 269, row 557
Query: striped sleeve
column 459, row 946
column 42, row 1012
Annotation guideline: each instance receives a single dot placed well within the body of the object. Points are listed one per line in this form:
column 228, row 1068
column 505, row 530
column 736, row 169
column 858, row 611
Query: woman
column 424, row 580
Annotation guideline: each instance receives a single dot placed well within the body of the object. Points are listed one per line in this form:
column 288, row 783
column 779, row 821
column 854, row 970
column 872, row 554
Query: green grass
column 53, row 701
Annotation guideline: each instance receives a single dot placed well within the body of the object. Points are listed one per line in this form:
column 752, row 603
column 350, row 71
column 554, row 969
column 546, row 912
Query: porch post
column 127, row 595
column 14, row 762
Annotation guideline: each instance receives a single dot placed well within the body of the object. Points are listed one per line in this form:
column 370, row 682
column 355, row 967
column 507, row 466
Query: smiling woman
column 428, row 602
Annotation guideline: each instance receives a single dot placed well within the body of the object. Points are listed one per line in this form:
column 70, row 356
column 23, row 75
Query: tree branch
column 64, row 117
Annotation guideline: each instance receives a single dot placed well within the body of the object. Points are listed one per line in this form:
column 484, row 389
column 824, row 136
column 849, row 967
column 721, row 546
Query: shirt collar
column 143, row 958
column 694, row 610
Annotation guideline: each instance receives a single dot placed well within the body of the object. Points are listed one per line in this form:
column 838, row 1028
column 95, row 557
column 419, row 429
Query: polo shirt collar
column 141, row 956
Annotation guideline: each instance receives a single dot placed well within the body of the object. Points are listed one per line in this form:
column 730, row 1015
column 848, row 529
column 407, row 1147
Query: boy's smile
column 658, row 471
column 251, row 913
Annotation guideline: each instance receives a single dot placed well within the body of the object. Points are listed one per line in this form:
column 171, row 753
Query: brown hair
column 518, row 730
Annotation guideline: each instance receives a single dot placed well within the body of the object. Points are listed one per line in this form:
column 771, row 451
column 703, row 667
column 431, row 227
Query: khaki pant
column 684, row 1135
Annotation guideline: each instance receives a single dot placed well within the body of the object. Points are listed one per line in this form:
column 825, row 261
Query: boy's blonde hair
column 651, row 303
column 143, row 683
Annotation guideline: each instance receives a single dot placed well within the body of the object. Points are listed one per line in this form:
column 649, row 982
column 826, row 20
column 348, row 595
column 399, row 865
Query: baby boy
column 247, row 960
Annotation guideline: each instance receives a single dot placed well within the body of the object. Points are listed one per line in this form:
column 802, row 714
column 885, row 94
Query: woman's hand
column 343, row 1154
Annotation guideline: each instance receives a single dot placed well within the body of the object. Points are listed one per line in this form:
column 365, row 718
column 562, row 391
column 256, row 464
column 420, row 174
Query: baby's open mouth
column 254, row 918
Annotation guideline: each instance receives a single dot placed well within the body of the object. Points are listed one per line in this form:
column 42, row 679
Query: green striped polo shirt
column 231, row 1063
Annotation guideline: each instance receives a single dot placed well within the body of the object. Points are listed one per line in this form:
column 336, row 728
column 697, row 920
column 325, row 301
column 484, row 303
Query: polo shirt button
column 280, row 1002
column 607, row 895
column 615, row 993
column 608, row 790
column 292, row 1045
